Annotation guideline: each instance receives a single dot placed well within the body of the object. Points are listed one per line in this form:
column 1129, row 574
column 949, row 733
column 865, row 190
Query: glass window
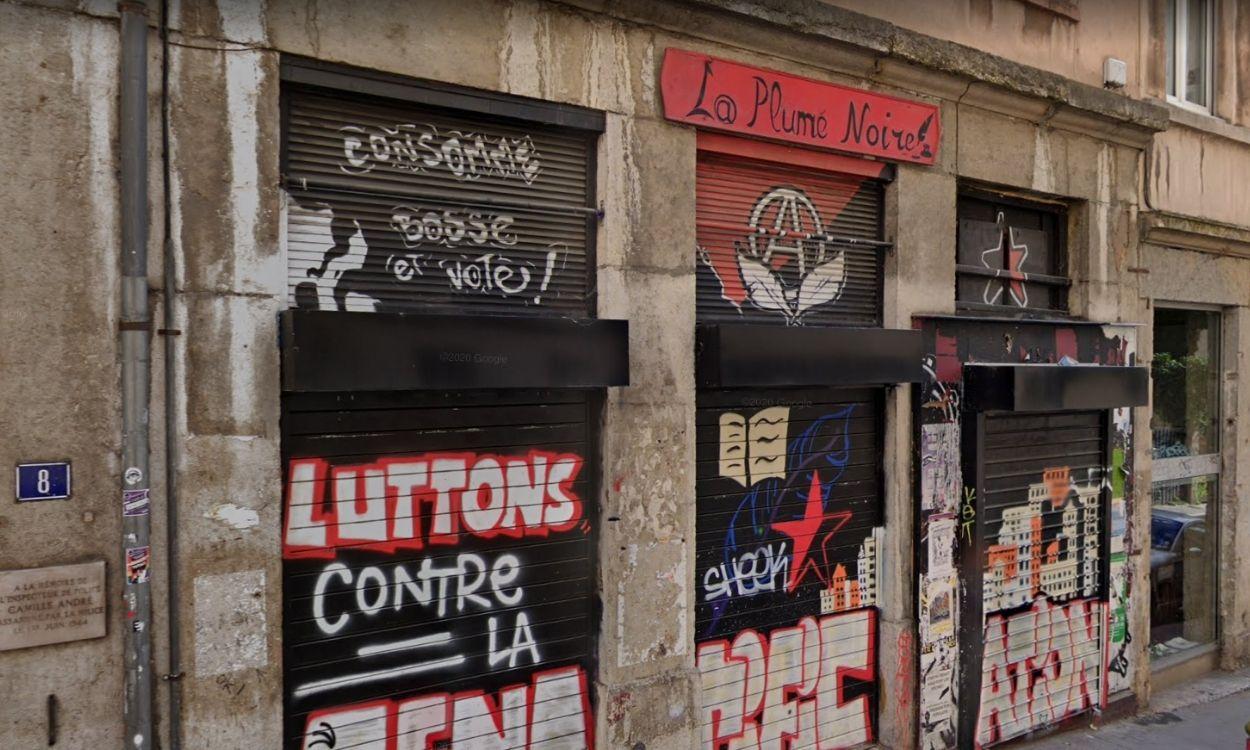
column 1188, row 39
column 1185, row 421
column 1185, row 427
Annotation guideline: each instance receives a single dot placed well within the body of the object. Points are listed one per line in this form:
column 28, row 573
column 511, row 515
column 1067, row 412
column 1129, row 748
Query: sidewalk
column 1210, row 712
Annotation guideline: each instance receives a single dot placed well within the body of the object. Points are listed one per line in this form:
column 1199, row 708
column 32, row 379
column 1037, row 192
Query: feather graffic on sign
column 783, row 261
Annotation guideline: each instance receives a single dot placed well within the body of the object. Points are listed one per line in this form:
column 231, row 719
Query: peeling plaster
column 234, row 516
column 93, row 49
column 519, row 55
column 1102, row 210
column 230, row 627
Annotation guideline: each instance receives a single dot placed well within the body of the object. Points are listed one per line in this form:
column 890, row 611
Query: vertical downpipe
column 136, row 343
column 170, row 284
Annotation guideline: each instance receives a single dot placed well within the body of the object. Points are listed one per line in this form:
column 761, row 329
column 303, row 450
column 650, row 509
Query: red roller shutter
column 779, row 243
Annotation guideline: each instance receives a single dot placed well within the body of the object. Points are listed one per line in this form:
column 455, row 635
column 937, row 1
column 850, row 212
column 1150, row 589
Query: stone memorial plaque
column 39, row 606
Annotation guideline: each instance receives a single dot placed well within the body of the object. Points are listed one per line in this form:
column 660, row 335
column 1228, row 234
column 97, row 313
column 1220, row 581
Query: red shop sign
column 723, row 95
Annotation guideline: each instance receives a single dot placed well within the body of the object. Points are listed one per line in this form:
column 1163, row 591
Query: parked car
column 1177, row 533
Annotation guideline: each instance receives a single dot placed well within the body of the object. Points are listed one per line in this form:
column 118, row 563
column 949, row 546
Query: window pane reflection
column 1185, row 420
column 1170, row 46
column 1196, row 53
column 1182, row 564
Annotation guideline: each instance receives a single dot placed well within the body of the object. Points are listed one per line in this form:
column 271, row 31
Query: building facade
column 644, row 374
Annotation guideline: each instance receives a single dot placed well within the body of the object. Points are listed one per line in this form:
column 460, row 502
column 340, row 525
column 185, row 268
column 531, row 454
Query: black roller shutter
column 439, row 546
column 788, row 499
column 1041, row 517
column 400, row 207
column 411, row 614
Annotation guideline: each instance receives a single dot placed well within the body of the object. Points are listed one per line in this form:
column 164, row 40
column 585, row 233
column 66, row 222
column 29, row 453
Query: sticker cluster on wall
column 1045, row 633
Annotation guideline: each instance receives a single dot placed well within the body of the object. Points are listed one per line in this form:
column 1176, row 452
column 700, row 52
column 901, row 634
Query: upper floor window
column 1190, row 39
column 1010, row 256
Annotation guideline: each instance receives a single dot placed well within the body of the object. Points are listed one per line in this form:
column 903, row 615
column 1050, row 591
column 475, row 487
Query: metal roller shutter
column 788, row 498
column 1042, row 525
column 438, row 546
column 783, row 244
column 439, row 569
column 397, row 207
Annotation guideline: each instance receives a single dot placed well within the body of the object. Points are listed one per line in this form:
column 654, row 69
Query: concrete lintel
column 1084, row 107
column 1193, row 233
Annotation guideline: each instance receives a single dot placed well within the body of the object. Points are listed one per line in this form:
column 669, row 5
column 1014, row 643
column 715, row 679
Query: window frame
column 1178, row 19
column 1059, row 277
column 1193, row 468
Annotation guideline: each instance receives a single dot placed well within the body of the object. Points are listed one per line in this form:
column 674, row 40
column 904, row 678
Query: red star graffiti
column 804, row 533
column 1015, row 255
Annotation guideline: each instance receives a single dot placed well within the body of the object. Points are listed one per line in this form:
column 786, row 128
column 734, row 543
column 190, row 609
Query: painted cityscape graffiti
column 1049, row 646
column 433, row 598
column 786, row 521
column 1049, row 547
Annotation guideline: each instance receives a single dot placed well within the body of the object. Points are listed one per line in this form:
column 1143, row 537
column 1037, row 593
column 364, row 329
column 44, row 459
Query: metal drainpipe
column 136, row 346
column 170, row 283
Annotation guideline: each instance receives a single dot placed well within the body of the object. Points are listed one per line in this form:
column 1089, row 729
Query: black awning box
column 1053, row 387
column 349, row 351
column 740, row 354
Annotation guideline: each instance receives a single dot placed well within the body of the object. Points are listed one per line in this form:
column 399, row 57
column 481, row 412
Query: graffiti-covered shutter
column 438, row 569
column 399, row 207
column 788, row 501
column 780, row 243
column 1042, row 523
column 439, row 460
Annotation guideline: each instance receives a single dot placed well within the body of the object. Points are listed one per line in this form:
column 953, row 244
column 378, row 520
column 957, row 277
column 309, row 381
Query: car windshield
column 1163, row 532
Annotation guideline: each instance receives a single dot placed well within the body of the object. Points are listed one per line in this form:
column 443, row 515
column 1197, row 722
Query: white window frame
column 1180, row 41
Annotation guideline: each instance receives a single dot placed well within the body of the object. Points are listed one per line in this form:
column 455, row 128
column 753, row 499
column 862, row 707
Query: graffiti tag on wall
column 394, row 216
column 786, row 553
column 428, row 600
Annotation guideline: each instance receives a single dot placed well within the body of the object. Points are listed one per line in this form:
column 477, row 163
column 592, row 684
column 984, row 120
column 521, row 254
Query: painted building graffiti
column 787, row 512
column 1049, row 547
column 1049, row 644
column 428, row 601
